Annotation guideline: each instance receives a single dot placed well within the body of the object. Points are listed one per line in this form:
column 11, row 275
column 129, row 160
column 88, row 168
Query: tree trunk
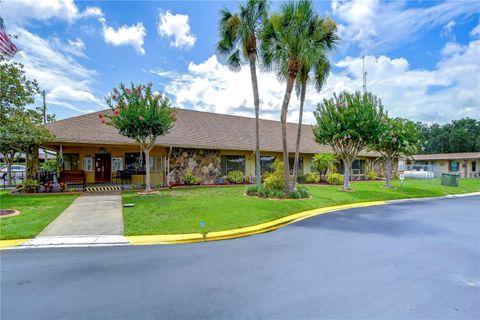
column 9, row 158
column 146, row 150
column 346, row 175
column 389, row 172
column 256, row 102
column 33, row 164
column 283, row 119
column 299, row 132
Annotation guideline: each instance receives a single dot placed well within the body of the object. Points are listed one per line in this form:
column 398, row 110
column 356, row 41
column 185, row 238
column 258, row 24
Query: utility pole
column 44, row 108
column 364, row 73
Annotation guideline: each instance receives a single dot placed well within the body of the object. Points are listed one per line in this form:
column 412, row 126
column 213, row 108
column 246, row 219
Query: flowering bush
column 235, row 176
column 371, row 175
column 335, row 178
column 312, row 177
column 190, row 179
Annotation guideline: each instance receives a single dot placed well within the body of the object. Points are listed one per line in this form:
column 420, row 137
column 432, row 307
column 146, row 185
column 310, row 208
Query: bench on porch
column 74, row 178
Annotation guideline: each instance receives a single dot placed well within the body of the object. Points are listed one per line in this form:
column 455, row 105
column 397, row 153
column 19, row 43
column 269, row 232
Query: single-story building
column 466, row 164
column 209, row 144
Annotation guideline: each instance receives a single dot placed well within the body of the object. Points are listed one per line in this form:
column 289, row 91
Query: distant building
column 466, row 164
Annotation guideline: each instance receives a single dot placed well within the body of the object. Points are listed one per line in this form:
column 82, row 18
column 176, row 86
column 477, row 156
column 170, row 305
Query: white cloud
column 125, row 35
column 476, row 31
column 379, row 26
column 447, row 30
column 20, row 11
column 92, row 12
column 176, row 26
column 67, row 83
column 451, row 48
column 449, row 91
column 74, row 47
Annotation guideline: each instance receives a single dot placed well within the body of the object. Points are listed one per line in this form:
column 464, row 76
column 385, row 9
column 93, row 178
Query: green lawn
column 37, row 211
column 221, row 208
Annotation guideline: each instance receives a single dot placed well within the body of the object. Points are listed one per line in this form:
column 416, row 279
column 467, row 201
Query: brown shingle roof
column 447, row 156
column 194, row 129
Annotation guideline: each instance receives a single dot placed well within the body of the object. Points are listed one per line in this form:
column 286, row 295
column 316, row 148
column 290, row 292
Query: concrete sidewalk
column 90, row 214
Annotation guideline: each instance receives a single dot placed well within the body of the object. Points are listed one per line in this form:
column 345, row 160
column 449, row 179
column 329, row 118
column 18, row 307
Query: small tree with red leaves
column 140, row 114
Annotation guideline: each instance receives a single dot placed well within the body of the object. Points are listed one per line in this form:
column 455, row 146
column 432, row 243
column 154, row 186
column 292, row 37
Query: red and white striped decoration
column 7, row 48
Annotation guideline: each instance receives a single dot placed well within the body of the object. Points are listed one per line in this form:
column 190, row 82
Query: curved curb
column 268, row 226
column 7, row 244
column 246, row 231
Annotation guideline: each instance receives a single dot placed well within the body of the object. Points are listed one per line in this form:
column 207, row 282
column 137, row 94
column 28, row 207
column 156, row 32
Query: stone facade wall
column 205, row 164
column 379, row 167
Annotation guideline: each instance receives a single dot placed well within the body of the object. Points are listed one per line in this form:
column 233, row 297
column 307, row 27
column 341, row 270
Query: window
column 117, row 164
column 453, row 166
column 300, row 165
column 87, row 164
column 230, row 163
column 135, row 162
column 357, row 166
column 157, row 164
column 70, row 161
column 474, row 166
column 266, row 164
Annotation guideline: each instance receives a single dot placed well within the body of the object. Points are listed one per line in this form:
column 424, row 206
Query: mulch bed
column 5, row 213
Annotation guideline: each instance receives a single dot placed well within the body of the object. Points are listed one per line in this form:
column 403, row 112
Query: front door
column 103, row 170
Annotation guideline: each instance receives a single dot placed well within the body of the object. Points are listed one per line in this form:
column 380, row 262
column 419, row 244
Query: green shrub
column 235, row 176
column 133, row 187
column 144, row 185
column 371, row 175
column 275, row 181
column 312, row 177
column 190, row 179
column 31, row 185
column 50, row 166
column 265, row 175
column 335, row 178
column 252, row 190
column 299, row 193
column 264, row 192
column 302, row 179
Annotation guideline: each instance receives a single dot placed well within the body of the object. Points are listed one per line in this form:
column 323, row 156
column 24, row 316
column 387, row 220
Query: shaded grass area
column 222, row 208
column 36, row 212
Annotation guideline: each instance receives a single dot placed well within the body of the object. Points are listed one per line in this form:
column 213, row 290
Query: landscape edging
column 268, row 226
column 251, row 230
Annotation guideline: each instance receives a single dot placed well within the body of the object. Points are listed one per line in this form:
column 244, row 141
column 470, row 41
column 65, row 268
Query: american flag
column 7, row 48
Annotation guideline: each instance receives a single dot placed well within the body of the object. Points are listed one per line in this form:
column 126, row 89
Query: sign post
column 402, row 177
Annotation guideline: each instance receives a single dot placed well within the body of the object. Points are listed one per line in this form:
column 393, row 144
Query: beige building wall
column 116, row 151
column 465, row 169
column 119, row 151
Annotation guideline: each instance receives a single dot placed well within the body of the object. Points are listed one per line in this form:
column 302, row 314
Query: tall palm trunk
column 299, row 132
column 256, row 102
column 283, row 120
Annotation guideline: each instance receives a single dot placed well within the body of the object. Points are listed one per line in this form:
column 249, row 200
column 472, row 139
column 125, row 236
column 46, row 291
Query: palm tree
column 319, row 64
column 238, row 42
column 289, row 40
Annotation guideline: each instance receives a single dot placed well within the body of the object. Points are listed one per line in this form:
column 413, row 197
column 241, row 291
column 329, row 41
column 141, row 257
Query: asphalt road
column 414, row 260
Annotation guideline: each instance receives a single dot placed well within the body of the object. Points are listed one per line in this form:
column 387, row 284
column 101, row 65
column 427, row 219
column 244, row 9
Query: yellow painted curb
column 246, row 231
column 6, row 244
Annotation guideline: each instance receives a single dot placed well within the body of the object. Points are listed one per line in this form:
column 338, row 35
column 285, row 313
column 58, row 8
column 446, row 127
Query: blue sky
column 422, row 57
